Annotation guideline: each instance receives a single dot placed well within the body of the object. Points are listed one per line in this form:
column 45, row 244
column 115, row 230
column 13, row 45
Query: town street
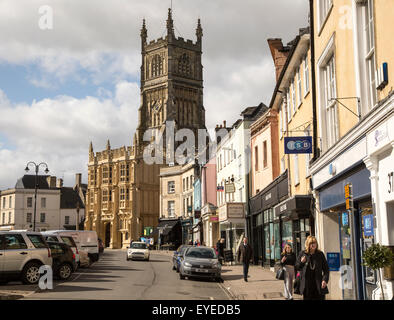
column 114, row 278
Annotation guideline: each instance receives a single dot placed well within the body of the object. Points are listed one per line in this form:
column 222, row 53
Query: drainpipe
column 314, row 109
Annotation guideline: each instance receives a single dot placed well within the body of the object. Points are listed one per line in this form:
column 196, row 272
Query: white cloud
column 58, row 131
column 97, row 41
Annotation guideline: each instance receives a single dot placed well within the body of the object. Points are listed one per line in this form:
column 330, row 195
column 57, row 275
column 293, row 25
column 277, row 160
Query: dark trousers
column 246, row 269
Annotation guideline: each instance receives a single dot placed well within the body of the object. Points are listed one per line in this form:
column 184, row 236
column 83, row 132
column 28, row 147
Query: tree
column 377, row 257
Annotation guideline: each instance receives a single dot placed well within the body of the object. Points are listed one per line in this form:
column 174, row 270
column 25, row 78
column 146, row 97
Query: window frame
column 306, row 76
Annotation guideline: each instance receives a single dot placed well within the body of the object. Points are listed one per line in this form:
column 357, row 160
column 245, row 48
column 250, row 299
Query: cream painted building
column 124, row 190
column 54, row 211
column 355, row 108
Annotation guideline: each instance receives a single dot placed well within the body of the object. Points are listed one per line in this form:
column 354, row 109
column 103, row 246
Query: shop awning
column 295, row 207
column 165, row 227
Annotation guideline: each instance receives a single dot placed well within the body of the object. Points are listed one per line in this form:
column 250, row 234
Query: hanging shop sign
column 295, row 145
column 230, row 187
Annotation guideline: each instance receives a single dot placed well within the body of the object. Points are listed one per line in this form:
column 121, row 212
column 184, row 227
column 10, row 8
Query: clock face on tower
column 156, row 106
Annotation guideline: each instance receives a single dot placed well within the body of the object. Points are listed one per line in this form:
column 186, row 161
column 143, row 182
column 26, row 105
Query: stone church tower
column 123, row 190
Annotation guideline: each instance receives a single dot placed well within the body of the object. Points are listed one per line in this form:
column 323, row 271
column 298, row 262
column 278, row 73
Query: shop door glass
column 287, row 233
column 277, row 241
column 267, row 243
column 367, row 234
column 272, row 241
column 347, row 277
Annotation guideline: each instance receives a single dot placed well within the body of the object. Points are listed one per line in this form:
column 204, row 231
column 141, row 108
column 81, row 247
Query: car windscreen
column 138, row 246
column 37, row 240
column 183, row 249
column 69, row 241
column 203, row 253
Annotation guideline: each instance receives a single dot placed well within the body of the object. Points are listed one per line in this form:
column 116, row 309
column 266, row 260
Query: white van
column 85, row 240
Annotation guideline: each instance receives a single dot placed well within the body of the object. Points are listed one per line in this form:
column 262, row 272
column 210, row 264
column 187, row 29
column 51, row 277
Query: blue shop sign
column 368, row 225
column 294, row 145
column 333, row 260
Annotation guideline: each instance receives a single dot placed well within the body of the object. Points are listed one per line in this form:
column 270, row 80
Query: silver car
column 21, row 255
column 201, row 262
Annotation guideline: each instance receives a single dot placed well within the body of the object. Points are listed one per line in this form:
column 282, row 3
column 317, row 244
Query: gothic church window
column 157, row 66
column 184, row 64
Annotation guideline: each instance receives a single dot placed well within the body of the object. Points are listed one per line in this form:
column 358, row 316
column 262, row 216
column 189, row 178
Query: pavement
column 261, row 285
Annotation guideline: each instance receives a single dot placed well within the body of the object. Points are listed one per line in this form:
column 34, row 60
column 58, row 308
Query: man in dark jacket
column 220, row 249
column 245, row 254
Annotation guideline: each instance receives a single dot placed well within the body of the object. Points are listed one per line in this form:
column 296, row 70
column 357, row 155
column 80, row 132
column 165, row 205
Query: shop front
column 348, row 230
column 210, row 225
column 265, row 225
column 296, row 219
column 232, row 224
column 380, row 162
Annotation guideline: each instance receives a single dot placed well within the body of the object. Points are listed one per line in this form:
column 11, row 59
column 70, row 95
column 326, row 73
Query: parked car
column 200, row 262
column 101, row 245
column 138, row 250
column 85, row 240
column 64, row 263
column 178, row 255
column 22, row 253
column 49, row 236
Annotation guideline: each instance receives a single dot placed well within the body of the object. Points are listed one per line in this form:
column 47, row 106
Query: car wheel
column 31, row 273
column 65, row 271
column 147, row 259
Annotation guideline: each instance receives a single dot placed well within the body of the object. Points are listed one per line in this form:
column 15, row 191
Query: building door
column 107, row 234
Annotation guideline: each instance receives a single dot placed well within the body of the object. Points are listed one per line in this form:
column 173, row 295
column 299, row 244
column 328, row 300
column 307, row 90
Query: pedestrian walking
column 314, row 271
column 288, row 260
column 220, row 248
column 245, row 254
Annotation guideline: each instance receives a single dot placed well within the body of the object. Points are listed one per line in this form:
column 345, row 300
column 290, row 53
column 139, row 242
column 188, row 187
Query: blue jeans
column 246, row 269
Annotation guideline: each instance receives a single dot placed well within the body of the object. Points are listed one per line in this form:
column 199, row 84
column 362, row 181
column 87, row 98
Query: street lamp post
column 37, row 167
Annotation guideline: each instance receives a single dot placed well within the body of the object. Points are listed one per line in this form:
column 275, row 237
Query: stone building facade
column 123, row 190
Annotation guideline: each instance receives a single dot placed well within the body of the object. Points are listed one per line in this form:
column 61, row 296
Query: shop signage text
column 368, row 225
column 333, row 260
column 391, row 182
column 214, row 219
column 349, row 196
column 230, row 188
column 294, row 145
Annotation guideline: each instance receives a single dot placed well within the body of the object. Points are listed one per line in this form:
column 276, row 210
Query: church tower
column 123, row 196
column 171, row 82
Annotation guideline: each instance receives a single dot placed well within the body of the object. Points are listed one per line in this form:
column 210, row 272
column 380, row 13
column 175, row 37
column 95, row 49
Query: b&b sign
column 294, row 145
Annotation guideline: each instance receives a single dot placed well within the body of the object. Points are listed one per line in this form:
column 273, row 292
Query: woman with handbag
column 314, row 271
column 288, row 260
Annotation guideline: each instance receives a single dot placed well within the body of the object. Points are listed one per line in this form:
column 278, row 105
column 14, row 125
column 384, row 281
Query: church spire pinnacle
column 170, row 25
column 199, row 33
column 144, row 32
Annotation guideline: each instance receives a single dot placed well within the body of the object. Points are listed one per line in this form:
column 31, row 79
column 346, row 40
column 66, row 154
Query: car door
column 15, row 253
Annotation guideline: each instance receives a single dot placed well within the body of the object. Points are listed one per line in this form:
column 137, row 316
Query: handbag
column 297, row 284
column 280, row 274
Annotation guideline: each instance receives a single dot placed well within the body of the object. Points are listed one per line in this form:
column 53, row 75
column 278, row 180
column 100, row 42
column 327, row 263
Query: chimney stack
column 279, row 54
column 51, row 182
column 224, row 124
column 59, row 183
column 78, row 179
